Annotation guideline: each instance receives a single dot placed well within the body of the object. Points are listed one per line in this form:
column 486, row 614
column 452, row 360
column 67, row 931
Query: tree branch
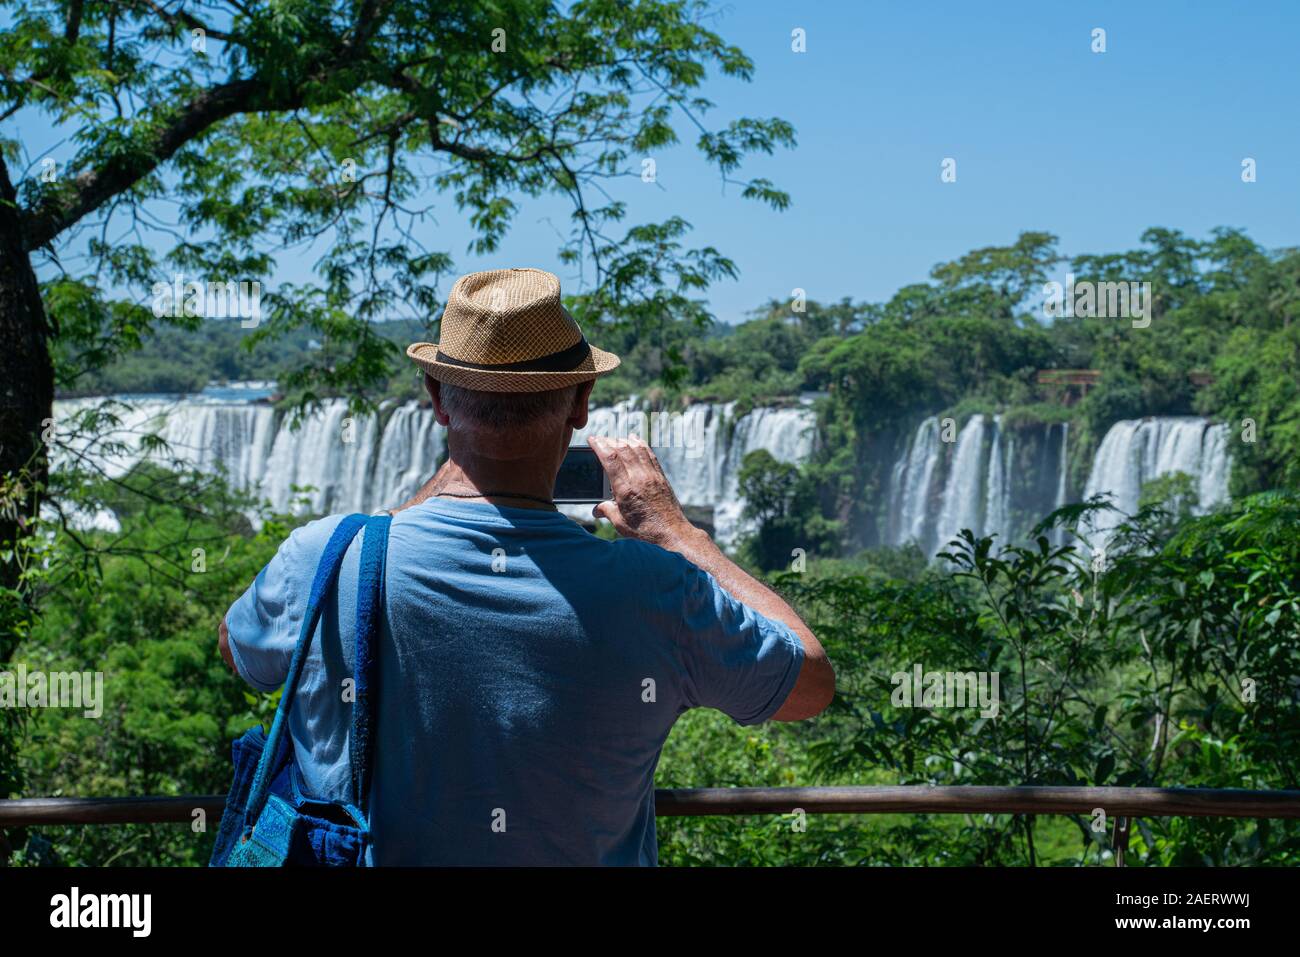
column 95, row 187
column 181, row 18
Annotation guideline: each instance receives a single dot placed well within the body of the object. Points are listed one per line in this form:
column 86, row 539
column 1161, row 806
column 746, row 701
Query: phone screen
column 581, row 477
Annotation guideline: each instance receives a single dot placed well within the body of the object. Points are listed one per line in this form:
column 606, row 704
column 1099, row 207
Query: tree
column 1257, row 392
column 323, row 125
column 781, row 502
column 1169, row 663
column 1006, row 275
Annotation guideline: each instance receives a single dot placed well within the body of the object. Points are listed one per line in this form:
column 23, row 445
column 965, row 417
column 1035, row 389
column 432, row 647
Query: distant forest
column 182, row 360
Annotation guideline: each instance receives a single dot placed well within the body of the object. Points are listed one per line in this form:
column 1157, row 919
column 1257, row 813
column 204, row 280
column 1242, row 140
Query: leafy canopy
column 211, row 138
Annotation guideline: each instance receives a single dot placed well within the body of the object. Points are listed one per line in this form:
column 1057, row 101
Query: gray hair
column 503, row 414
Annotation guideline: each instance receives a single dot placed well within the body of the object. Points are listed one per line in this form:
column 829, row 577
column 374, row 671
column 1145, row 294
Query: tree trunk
column 26, row 389
column 26, row 401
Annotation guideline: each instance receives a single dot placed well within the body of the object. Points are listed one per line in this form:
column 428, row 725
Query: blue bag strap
column 370, row 619
column 327, row 573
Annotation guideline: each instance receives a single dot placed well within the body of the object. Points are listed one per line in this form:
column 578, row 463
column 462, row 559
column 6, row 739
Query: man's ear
column 578, row 414
column 433, row 386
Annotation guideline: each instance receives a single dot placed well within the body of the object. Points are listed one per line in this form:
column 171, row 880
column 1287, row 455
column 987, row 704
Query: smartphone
column 581, row 478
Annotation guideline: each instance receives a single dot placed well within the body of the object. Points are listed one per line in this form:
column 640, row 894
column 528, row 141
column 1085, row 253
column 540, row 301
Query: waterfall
column 992, row 479
column 997, row 501
column 1135, row 451
column 787, row 433
column 935, row 494
column 1000, row 481
column 1215, row 467
column 692, row 445
column 912, row 476
column 1062, row 468
column 335, row 462
column 962, row 492
column 702, row 448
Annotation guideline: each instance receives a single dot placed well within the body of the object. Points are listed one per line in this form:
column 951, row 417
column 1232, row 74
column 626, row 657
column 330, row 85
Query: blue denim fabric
column 270, row 818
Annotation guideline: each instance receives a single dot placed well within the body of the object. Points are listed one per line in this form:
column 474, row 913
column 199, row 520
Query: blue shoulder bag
column 270, row 820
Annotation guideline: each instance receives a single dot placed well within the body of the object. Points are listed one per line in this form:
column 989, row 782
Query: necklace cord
column 531, row 498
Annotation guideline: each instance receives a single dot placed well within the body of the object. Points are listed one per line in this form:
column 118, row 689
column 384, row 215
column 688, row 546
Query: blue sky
column 1094, row 147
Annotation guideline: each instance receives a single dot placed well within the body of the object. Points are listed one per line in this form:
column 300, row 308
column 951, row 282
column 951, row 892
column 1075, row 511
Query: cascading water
column 941, row 487
column 997, row 497
column 332, row 463
column 1216, row 467
column 911, row 484
column 1135, row 451
column 1062, row 470
column 989, row 478
column 999, row 481
column 362, row 463
column 962, row 496
column 702, row 449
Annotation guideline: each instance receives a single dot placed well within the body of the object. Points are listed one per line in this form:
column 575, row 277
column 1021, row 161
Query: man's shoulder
column 626, row 557
column 308, row 540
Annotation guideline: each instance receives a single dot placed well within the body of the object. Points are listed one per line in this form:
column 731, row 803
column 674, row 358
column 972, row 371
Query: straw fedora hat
column 504, row 330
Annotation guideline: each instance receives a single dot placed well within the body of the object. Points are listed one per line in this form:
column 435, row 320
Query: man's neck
column 466, row 476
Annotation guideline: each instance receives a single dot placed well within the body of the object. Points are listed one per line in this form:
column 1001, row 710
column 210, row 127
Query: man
column 529, row 671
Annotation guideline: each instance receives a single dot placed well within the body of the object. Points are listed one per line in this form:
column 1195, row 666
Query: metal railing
column 1120, row 804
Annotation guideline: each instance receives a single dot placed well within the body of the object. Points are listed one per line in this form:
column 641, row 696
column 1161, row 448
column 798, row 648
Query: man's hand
column 644, row 505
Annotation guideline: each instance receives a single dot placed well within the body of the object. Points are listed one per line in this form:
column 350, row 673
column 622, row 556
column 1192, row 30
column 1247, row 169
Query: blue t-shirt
column 529, row 674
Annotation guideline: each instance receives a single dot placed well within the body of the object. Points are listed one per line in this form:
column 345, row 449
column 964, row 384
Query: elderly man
column 529, row 671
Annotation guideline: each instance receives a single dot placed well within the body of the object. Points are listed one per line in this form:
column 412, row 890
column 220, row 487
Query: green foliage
column 1169, row 663
column 782, row 502
column 142, row 607
column 1257, row 391
column 1175, row 495
column 329, row 129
